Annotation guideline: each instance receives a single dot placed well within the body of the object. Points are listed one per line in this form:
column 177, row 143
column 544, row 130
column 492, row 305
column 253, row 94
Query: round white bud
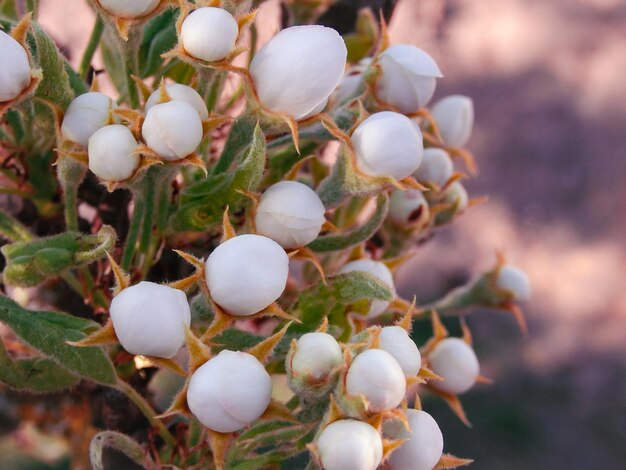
column 298, row 69
column 246, row 274
column 179, row 92
column 290, row 213
column 15, row 74
column 173, row 130
column 408, row 207
column 456, row 363
column 150, row 319
column 408, row 79
column 229, row 391
column 111, row 153
column 436, row 167
column 85, row 115
column 424, row 444
column 454, row 116
column 456, row 194
column 397, row 342
column 378, row 270
column 378, row 377
column 209, row 33
column 515, row 281
column 388, row 144
column 129, row 9
column 349, row 444
column 317, row 354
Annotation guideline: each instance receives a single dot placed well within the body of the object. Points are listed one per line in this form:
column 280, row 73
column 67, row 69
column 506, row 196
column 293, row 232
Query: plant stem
column 92, row 45
column 147, row 411
column 133, row 231
column 12, row 229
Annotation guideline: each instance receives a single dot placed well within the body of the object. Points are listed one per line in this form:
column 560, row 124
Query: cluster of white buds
column 150, row 319
column 349, row 444
column 246, row 274
column 209, row 34
column 229, row 391
column 290, row 213
column 126, row 9
column 377, row 269
column 515, row 281
column 423, row 446
column 285, row 83
column 15, row 73
column 173, row 130
column 408, row 77
column 454, row 116
column 456, row 363
column 85, row 115
column 388, row 144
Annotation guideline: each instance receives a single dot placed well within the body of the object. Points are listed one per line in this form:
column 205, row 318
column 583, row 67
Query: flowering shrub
column 249, row 255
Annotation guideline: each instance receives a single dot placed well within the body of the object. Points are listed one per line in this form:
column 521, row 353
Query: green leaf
column 120, row 442
column 280, row 163
column 113, row 60
column 55, row 86
column 202, row 204
column 8, row 9
column 48, row 332
column 341, row 241
column 236, row 340
column 240, row 134
column 159, row 36
column 333, row 299
column 39, row 375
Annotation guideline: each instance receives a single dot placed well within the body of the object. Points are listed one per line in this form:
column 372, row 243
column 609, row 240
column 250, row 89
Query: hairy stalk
column 133, row 230
column 146, row 410
column 94, row 41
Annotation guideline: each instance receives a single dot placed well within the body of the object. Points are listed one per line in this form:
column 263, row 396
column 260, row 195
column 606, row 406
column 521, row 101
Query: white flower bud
column 377, row 376
column 173, row 130
column 515, row 281
column 436, row 167
column 454, row 116
column 457, row 195
column 408, row 207
column 15, row 74
column 290, row 213
column 111, row 153
column 349, row 444
column 408, row 79
column 317, row 354
column 229, row 391
column 388, row 144
column 397, row 342
column 424, row 444
column 377, row 269
column 298, row 69
column 456, row 362
column 209, row 34
column 350, row 82
column 179, row 92
column 85, row 115
column 129, row 9
column 150, row 319
column 247, row 273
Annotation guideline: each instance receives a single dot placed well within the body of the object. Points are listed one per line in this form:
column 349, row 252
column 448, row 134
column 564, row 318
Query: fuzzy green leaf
column 341, row 241
column 203, row 203
column 48, row 332
column 120, row 442
column 159, row 36
column 333, row 299
column 236, row 340
column 39, row 375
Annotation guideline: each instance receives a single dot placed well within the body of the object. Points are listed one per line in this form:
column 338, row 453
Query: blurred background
column 547, row 80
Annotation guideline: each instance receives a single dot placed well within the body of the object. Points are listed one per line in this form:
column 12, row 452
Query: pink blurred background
column 547, row 79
